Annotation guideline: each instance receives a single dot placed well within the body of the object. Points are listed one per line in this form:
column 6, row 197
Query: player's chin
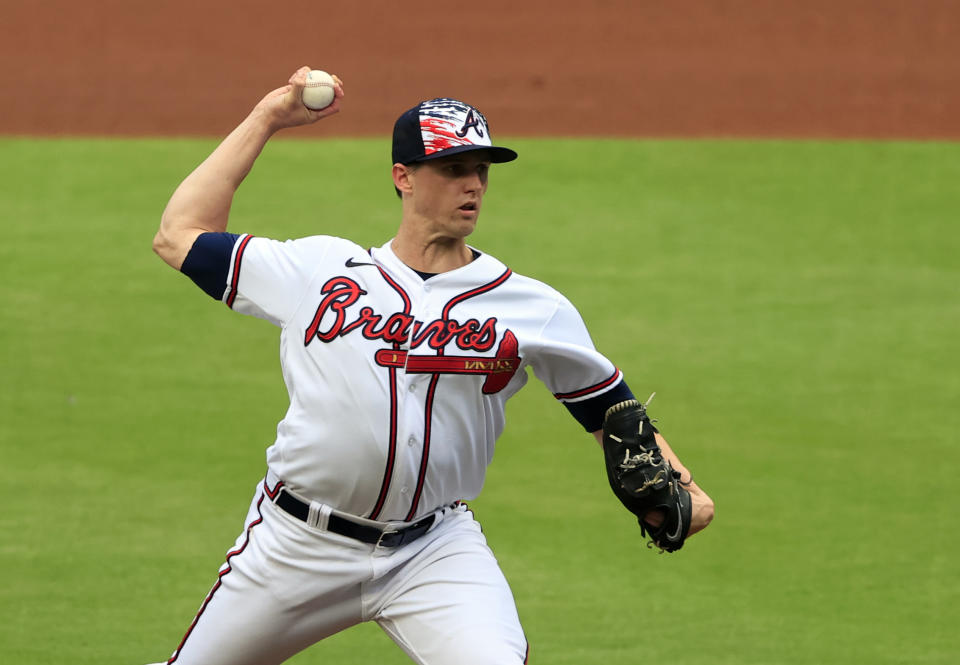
column 466, row 220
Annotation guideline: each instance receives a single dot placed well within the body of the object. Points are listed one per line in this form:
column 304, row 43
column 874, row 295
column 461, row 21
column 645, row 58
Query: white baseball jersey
column 398, row 384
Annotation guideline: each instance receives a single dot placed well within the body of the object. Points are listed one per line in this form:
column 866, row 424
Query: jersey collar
column 482, row 269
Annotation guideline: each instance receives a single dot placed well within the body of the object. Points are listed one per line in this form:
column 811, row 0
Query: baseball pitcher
column 399, row 361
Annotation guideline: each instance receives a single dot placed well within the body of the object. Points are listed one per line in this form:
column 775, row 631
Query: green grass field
column 794, row 305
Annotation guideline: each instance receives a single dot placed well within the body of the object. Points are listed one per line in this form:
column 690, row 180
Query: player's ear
column 402, row 178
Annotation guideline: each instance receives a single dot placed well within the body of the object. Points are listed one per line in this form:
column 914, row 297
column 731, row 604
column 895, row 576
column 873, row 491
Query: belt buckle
column 386, row 533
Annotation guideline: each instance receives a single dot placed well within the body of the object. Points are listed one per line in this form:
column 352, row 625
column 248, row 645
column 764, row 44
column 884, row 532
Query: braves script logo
column 339, row 318
column 471, row 121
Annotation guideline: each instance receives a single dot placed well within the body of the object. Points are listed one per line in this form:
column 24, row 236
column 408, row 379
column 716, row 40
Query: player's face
column 449, row 191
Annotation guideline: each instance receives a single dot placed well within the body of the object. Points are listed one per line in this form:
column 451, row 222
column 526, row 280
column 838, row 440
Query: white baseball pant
column 286, row 585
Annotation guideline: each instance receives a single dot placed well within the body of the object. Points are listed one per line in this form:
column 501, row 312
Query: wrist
column 261, row 120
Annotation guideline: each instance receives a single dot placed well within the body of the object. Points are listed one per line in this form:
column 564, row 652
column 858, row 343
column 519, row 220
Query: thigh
column 282, row 588
column 451, row 605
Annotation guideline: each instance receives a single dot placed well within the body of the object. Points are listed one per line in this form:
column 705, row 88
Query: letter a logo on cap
column 441, row 127
column 471, row 121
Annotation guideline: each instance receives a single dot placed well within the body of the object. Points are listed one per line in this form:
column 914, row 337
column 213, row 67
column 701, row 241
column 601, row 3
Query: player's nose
column 474, row 182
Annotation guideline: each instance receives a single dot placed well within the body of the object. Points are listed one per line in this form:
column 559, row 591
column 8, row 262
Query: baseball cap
column 441, row 127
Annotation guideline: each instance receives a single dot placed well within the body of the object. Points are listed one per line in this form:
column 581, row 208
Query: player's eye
column 461, row 169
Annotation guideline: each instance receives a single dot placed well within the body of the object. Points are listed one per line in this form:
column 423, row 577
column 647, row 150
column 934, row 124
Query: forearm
column 702, row 509
column 202, row 201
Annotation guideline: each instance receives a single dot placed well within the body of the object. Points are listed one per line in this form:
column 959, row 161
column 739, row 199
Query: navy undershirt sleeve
column 590, row 412
column 208, row 262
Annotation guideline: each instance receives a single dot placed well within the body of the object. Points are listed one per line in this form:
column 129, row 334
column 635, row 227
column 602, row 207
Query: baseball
column 318, row 92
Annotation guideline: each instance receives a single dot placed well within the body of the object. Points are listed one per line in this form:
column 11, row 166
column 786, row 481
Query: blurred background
column 753, row 204
column 821, row 68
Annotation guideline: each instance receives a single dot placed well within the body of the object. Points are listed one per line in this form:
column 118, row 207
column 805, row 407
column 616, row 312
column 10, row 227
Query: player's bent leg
column 451, row 605
column 270, row 600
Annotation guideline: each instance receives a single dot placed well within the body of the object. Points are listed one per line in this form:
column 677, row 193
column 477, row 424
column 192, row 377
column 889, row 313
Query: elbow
column 702, row 512
column 163, row 247
column 705, row 513
column 159, row 243
column 708, row 512
column 172, row 242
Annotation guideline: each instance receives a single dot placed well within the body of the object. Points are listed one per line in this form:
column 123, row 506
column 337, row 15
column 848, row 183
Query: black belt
column 363, row 532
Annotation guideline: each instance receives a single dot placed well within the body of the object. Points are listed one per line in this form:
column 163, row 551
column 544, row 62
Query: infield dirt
column 812, row 68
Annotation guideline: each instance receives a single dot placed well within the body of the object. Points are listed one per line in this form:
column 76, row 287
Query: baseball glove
column 641, row 478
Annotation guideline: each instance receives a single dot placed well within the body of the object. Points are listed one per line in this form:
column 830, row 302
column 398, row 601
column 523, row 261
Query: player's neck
column 431, row 254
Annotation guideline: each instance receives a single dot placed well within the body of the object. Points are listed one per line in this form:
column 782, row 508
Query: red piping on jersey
column 392, row 450
column 398, row 289
column 394, row 408
column 477, row 291
column 594, row 388
column 428, row 410
column 272, row 494
column 427, row 427
column 225, row 571
column 235, row 280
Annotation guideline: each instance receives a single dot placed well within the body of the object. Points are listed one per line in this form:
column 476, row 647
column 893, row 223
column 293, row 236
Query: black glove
column 641, row 478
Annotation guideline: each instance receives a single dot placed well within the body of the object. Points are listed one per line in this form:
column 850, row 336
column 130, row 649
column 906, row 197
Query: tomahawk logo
column 472, row 120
